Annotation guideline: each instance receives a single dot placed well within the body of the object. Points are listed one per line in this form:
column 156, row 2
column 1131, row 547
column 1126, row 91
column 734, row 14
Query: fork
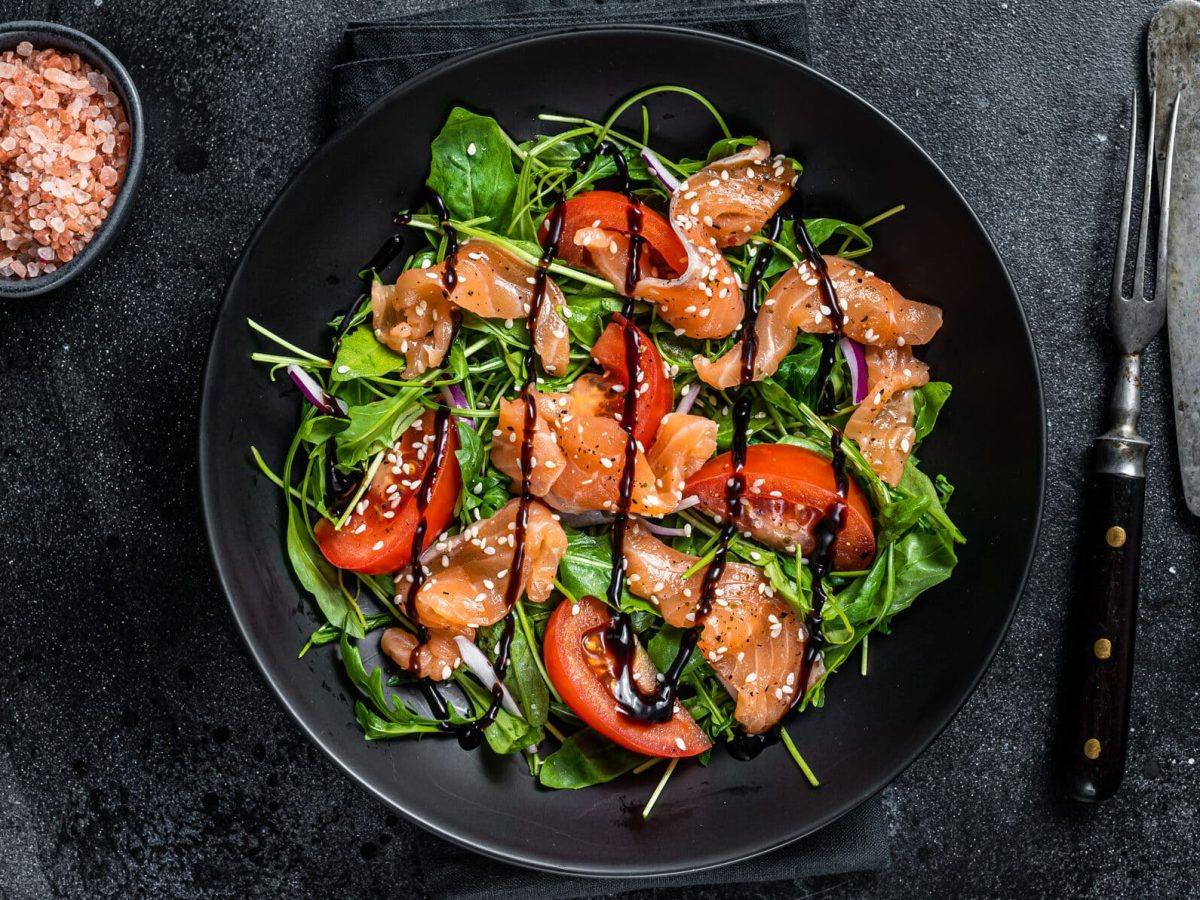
column 1101, row 644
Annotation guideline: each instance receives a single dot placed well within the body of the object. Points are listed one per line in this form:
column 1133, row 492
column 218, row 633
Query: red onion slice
column 455, row 398
column 479, row 664
column 856, row 360
column 585, row 519
column 686, row 503
column 688, row 398
column 314, row 393
column 663, row 530
column 659, row 168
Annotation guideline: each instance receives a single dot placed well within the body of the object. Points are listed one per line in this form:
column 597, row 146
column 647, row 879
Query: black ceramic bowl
column 298, row 270
column 60, row 37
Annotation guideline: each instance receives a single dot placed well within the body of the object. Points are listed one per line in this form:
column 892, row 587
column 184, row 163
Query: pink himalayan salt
column 64, row 145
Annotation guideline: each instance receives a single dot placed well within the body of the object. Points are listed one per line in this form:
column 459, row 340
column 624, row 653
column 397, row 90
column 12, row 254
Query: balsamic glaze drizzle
column 470, row 733
column 339, row 487
column 618, row 638
column 827, row 529
column 554, row 225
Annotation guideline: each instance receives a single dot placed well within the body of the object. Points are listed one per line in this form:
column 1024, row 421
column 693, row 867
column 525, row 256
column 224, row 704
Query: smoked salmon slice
column 704, row 302
column 752, row 639
column 415, row 316
column 722, row 205
column 436, row 659
column 734, row 197
column 876, row 314
column 882, row 426
column 684, row 443
column 469, row 572
column 578, row 456
column 494, row 284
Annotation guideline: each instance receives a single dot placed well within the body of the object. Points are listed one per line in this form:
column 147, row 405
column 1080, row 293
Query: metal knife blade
column 1173, row 55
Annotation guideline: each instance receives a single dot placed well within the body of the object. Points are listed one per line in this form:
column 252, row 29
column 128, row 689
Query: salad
column 614, row 461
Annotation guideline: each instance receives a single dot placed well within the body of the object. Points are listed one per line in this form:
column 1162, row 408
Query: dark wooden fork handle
column 1097, row 725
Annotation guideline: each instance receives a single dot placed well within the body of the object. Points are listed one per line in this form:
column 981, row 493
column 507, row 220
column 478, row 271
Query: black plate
column 991, row 443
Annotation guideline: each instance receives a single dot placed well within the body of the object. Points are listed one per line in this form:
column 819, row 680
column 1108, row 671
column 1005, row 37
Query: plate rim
column 208, row 500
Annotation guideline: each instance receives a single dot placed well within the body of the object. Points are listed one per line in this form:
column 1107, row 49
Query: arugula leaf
column 945, row 490
column 664, row 647
column 916, row 483
column 398, row 719
column 507, row 734
column 819, row 231
column 797, row 372
column 560, row 152
column 328, row 634
column 485, row 495
column 724, row 419
column 603, row 167
column 928, row 401
column 899, row 516
column 457, row 362
column 923, row 559
column 585, row 759
column 860, row 603
column 728, row 147
column 471, row 166
column 590, row 309
column 319, row 429
column 471, row 460
column 523, row 679
column 585, row 569
column 376, row 425
column 785, row 584
column 707, row 701
column 362, row 355
column 376, row 728
column 318, row 577
column 721, row 149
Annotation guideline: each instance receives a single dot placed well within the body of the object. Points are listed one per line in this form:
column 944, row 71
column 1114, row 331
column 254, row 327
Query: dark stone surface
column 142, row 754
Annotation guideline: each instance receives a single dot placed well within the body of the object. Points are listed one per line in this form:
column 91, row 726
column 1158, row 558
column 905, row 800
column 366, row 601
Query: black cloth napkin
column 377, row 57
column 380, row 55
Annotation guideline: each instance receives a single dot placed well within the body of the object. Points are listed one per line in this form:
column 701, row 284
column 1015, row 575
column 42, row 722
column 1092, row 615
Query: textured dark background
column 142, row 754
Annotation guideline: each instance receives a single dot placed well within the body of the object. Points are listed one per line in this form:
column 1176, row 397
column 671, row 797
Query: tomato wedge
column 584, row 679
column 371, row 541
column 610, row 209
column 656, row 394
column 788, row 489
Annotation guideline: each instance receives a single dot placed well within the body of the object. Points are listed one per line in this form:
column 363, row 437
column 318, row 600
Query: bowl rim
column 64, row 37
column 205, row 437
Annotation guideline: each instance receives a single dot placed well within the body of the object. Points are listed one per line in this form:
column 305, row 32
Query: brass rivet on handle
column 1115, row 536
column 1102, row 648
column 1091, row 748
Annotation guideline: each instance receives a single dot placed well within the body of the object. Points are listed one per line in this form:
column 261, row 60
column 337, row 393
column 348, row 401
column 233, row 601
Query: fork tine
column 1126, row 204
column 1164, row 206
column 1139, row 269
